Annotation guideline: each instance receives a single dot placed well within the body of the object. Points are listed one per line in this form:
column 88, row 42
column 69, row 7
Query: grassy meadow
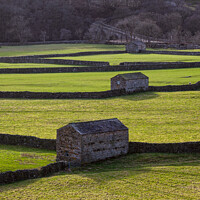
column 150, row 117
column 16, row 158
column 91, row 81
column 32, row 65
column 56, row 49
column 138, row 176
column 116, row 59
column 157, row 117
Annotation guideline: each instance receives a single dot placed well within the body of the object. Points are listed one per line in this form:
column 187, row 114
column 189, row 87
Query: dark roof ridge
column 98, row 126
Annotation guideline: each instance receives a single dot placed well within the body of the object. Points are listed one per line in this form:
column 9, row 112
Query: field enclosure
column 90, row 81
column 154, row 117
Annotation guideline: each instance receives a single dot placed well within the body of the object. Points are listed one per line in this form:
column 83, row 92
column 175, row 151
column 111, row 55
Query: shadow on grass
column 23, row 149
column 140, row 96
column 122, row 167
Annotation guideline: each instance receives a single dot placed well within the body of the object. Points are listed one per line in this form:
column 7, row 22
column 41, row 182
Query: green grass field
column 32, row 65
column 150, row 117
column 116, row 59
column 90, row 82
column 16, row 158
column 56, row 49
column 159, row 117
column 139, row 176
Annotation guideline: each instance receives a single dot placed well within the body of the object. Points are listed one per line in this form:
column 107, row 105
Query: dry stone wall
column 20, row 175
column 97, row 67
column 28, row 141
column 51, row 61
column 94, row 95
column 183, row 53
column 89, row 53
column 187, row 147
column 134, row 147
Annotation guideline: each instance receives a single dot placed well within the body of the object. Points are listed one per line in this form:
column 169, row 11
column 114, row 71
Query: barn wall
column 68, row 140
column 105, row 145
column 137, row 85
column 115, row 85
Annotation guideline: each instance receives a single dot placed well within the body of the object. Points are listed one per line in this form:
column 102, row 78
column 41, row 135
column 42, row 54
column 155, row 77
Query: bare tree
column 65, row 34
column 19, row 27
column 148, row 29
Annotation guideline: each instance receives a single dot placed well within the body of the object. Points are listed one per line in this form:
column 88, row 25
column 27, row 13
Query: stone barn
column 135, row 47
column 131, row 82
column 87, row 142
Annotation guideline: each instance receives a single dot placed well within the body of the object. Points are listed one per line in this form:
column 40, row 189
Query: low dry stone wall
column 93, row 95
column 172, row 46
column 62, row 95
column 28, row 141
column 71, row 54
column 159, row 65
column 46, row 42
column 20, row 175
column 187, row 147
column 174, row 53
column 97, row 66
column 174, row 88
column 134, row 147
column 51, row 61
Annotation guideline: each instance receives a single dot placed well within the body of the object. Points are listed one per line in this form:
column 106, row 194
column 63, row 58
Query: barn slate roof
column 133, row 76
column 136, row 42
column 100, row 126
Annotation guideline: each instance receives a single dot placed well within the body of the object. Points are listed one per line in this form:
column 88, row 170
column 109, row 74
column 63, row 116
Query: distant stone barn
column 87, row 142
column 135, row 47
column 131, row 82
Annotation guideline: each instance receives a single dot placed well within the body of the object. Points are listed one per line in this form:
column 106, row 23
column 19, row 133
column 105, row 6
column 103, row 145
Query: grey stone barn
column 87, row 142
column 135, row 47
column 131, row 82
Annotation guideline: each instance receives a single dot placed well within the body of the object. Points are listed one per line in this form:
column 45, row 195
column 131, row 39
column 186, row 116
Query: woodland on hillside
column 41, row 20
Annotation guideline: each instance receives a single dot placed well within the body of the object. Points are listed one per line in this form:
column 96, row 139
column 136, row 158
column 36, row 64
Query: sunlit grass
column 91, row 81
column 32, row 65
column 116, row 59
column 139, row 176
column 150, row 117
column 56, row 49
column 18, row 158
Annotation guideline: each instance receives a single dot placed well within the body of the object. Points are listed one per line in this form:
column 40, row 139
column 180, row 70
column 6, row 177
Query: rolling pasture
column 156, row 117
column 138, row 176
column 90, row 81
column 150, row 117
column 55, row 49
column 23, row 158
column 116, row 59
column 32, row 65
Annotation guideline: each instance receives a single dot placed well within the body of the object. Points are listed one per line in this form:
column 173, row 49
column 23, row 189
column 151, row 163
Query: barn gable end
column 87, row 142
column 130, row 82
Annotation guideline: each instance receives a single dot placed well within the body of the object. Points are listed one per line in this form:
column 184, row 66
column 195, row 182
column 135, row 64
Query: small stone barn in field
column 87, row 142
column 130, row 82
column 135, row 47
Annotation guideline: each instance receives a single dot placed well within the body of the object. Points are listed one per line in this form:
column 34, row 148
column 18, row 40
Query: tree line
column 42, row 20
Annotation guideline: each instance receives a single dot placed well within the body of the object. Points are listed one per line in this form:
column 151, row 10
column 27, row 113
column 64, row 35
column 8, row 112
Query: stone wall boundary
column 94, row 95
column 95, row 66
column 134, row 147
column 63, row 95
column 183, row 53
column 87, row 53
column 51, row 61
column 186, row 147
column 20, row 175
column 28, row 141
